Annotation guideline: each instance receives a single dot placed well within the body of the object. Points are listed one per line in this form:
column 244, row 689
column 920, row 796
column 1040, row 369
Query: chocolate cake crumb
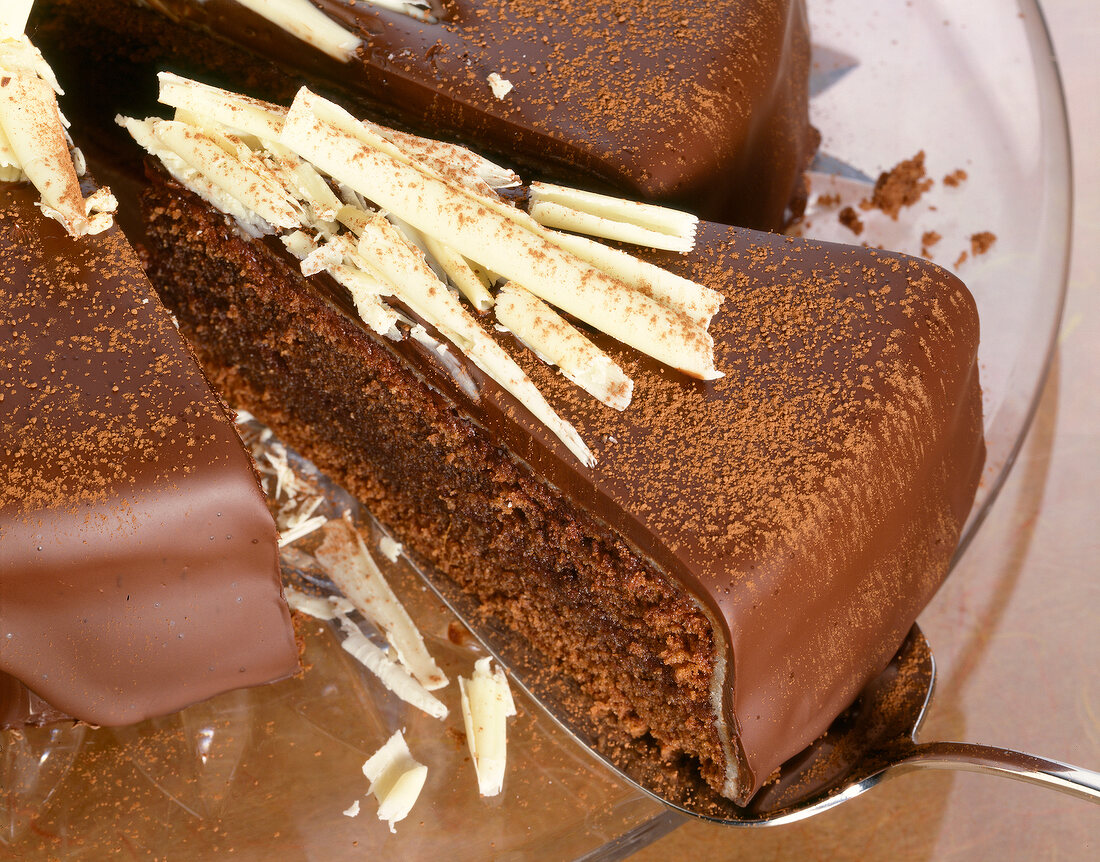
column 956, row 178
column 851, row 220
column 928, row 239
column 901, row 186
column 981, row 242
column 830, row 200
column 961, row 259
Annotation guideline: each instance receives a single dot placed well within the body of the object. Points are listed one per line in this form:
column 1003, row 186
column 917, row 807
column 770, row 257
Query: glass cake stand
column 268, row 772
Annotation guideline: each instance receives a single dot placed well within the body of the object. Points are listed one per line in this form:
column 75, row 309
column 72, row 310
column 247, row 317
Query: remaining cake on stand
column 701, row 106
column 139, row 565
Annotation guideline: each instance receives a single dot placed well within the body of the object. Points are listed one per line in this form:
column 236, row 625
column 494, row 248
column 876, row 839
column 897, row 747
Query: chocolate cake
column 702, row 106
column 138, row 561
column 718, row 568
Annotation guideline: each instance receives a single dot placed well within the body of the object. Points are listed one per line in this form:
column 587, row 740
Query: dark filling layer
column 703, row 108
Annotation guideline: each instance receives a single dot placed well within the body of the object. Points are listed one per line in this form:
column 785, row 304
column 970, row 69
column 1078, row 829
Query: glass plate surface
column 268, row 772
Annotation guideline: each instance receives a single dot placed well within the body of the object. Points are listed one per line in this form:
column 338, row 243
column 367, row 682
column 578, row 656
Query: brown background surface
column 1016, row 630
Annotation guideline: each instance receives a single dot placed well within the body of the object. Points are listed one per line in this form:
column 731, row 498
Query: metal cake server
column 875, row 739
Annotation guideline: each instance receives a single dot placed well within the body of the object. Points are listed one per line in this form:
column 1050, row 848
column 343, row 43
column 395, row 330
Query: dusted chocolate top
column 138, row 563
column 702, row 106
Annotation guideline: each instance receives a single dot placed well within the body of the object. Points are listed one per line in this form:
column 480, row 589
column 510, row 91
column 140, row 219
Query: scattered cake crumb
column 851, row 220
column 928, row 239
column 828, row 200
column 956, row 178
column 981, row 242
column 961, row 259
column 901, row 186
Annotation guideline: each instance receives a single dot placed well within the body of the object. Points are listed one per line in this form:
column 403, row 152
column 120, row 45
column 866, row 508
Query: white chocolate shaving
column 390, row 549
column 352, row 810
column 319, row 607
column 224, row 191
column 247, row 115
column 351, row 567
column 366, row 289
column 557, row 343
column 391, row 674
column 452, row 161
column 697, row 302
column 301, row 529
column 501, row 87
column 33, row 140
column 497, row 241
column 461, row 274
column 384, row 248
column 305, row 21
column 13, row 18
column 396, row 779
column 439, row 350
column 612, row 218
column 248, row 182
column 486, row 707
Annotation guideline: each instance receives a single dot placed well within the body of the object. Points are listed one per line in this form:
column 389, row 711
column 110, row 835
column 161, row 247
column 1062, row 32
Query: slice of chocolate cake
column 718, row 542
column 701, row 105
column 138, row 561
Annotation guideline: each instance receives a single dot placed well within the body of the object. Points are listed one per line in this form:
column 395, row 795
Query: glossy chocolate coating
column 703, row 107
column 138, row 562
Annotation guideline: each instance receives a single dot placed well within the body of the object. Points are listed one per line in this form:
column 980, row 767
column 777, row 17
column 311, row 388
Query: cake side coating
column 704, row 108
column 805, row 506
column 138, row 561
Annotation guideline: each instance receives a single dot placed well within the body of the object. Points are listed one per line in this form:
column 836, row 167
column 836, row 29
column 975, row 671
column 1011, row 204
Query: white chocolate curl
column 332, row 140
column 486, row 707
column 351, row 567
column 396, row 779
column 305, row 21
column 612, row 218
column 537, row 325
column 33, row 142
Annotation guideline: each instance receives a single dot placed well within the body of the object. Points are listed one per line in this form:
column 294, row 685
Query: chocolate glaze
column 811, row 499
column 703, row 108
column 138, row 563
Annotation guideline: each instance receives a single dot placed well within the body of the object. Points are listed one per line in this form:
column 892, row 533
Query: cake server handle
column 971, row 757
